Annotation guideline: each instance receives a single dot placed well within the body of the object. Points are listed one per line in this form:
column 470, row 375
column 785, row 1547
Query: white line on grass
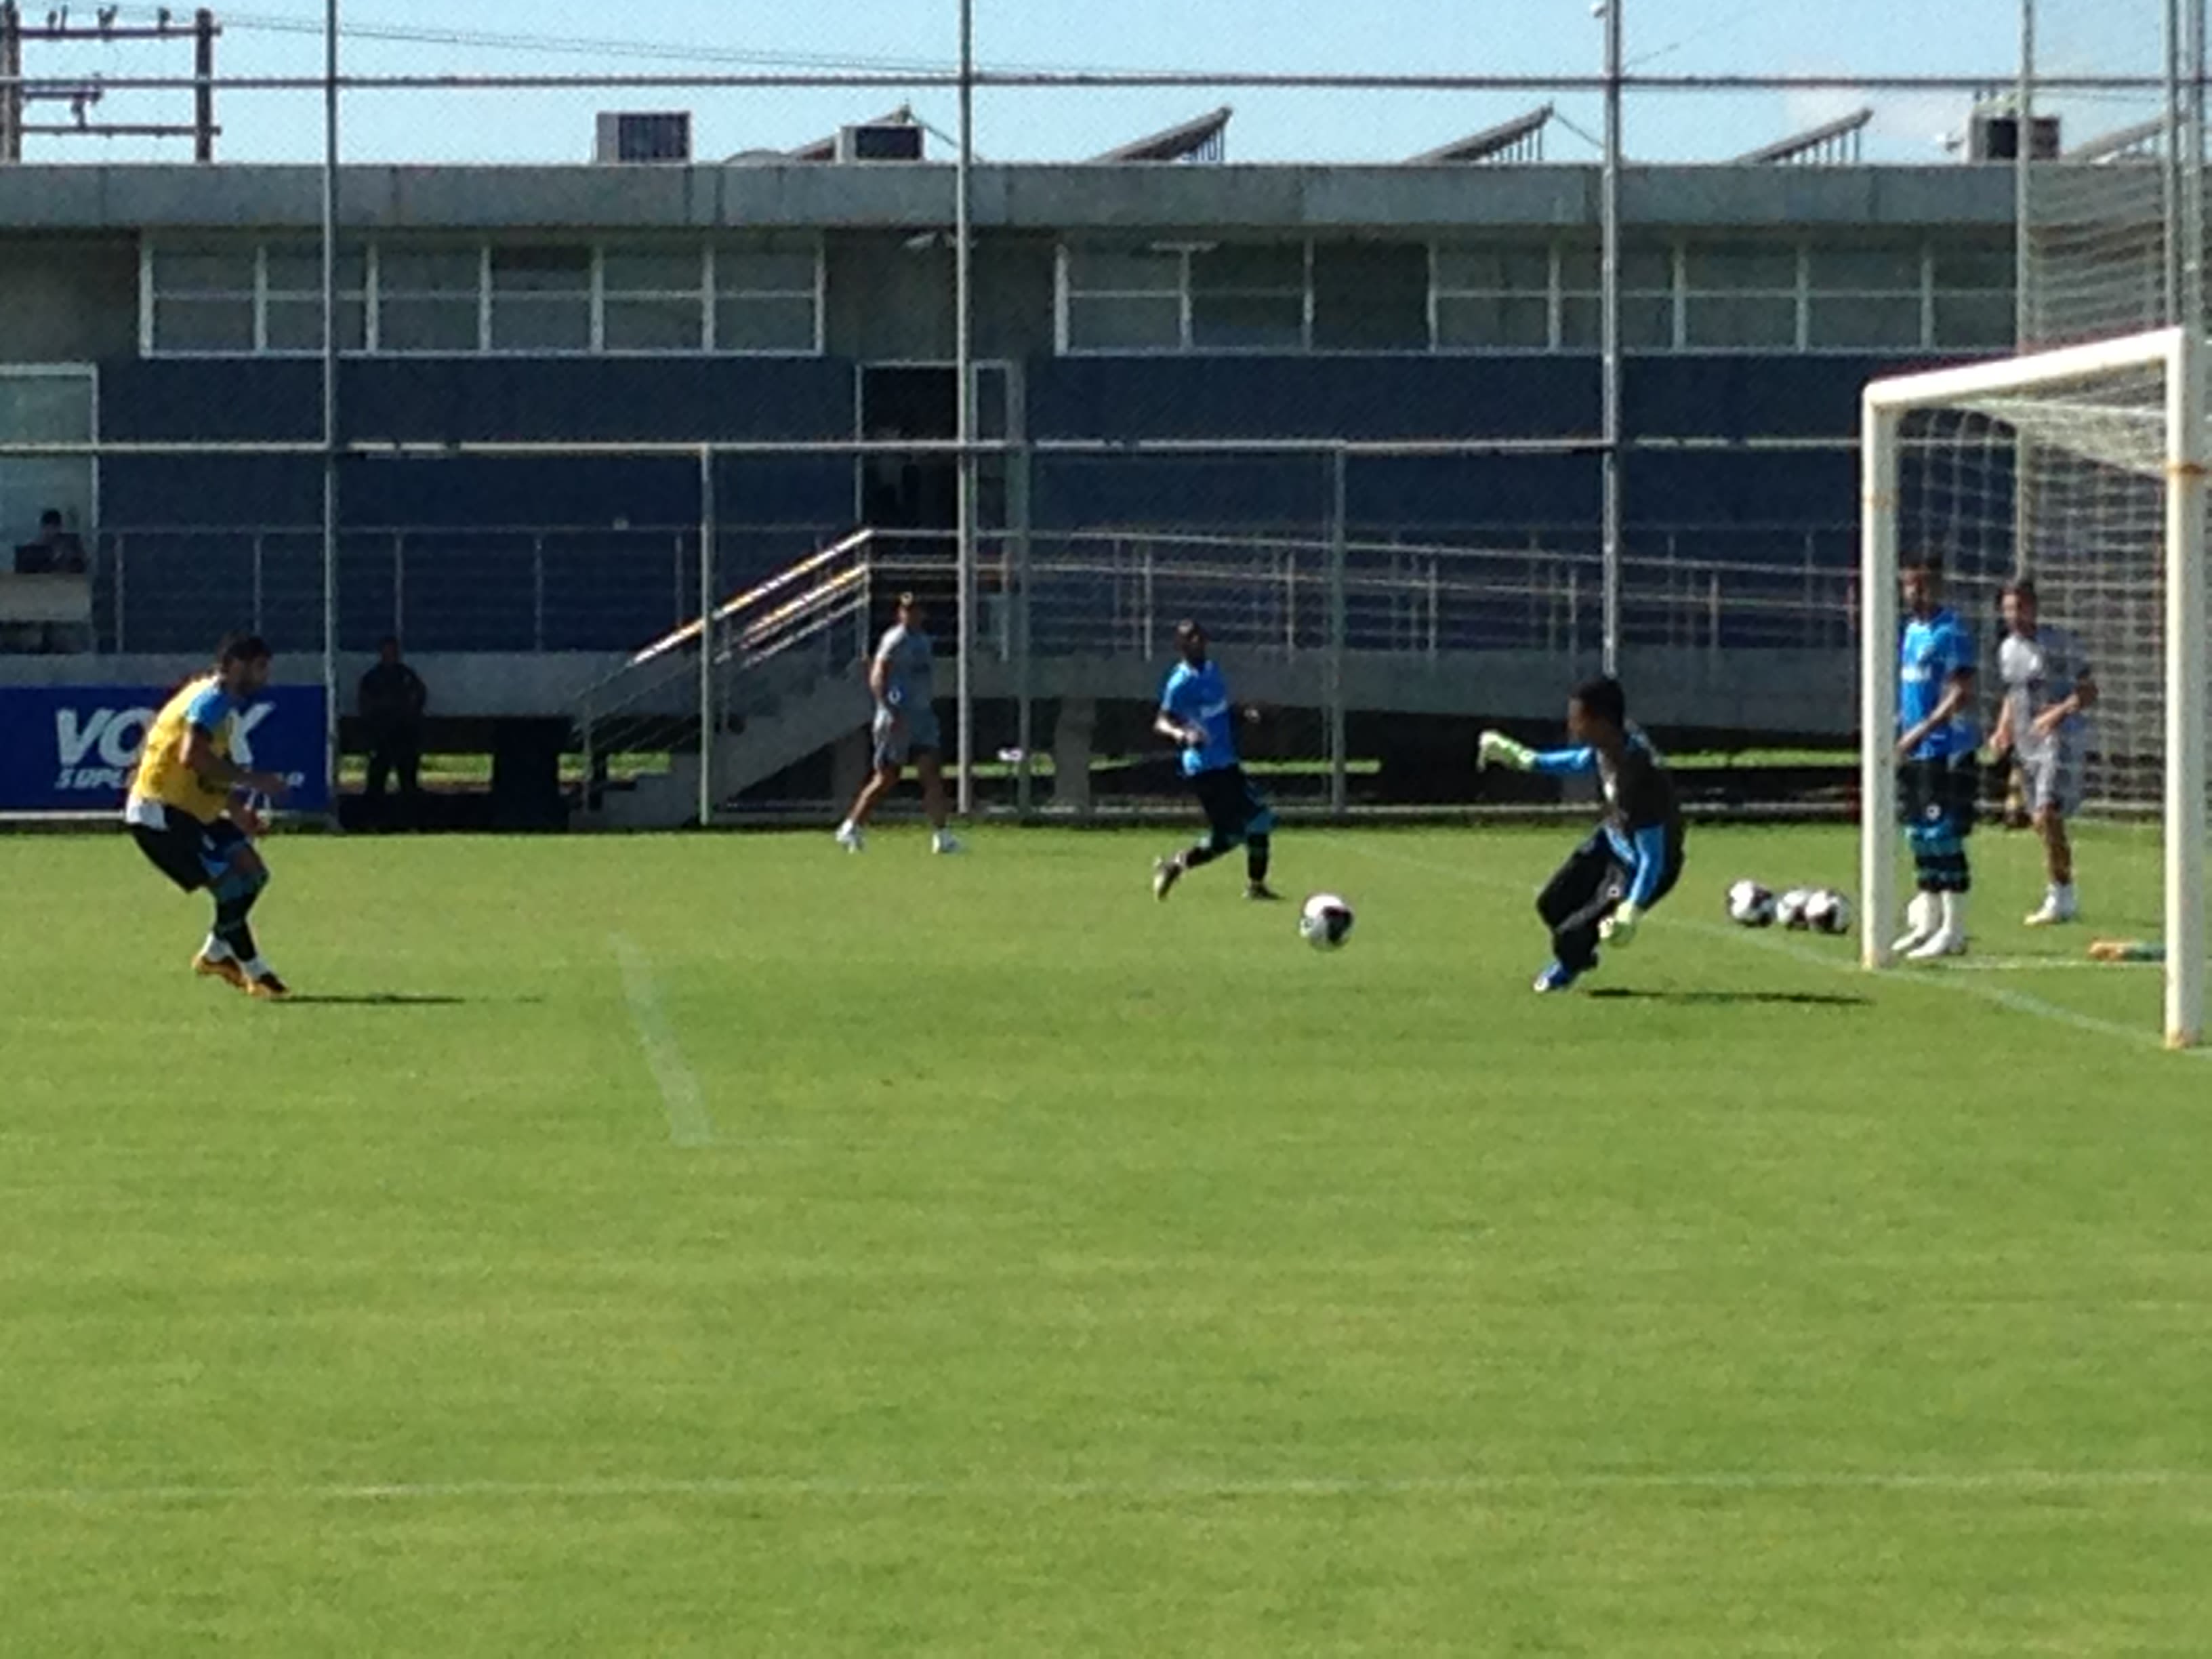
column 1940, row 977
column 802, row 1488
column 688, row 1122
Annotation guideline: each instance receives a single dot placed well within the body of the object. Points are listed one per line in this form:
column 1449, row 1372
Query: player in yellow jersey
column 188, row 814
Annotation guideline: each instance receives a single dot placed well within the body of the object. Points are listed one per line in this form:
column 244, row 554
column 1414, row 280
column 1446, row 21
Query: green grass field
column 714, row 1245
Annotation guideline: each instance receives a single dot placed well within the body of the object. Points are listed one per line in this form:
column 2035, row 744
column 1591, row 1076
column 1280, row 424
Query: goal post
column 2085, row 468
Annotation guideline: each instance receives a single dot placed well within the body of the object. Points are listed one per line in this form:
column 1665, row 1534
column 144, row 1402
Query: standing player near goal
column 1196, row 715
column 184, row 813
column 901, row 681
column 2047, row 688
column 1631, row 860
column 1936, row 751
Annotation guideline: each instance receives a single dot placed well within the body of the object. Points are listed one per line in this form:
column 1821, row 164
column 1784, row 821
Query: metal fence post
column 121, row 562
column 399, row 583
column 259, row 626
column 538, row 591
column 1338, row 791
column 707, row 724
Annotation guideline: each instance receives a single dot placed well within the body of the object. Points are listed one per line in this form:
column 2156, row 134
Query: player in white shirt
column 2048, row 689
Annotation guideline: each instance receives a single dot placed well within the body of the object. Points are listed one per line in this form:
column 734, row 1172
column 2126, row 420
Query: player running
column 186, row 812
column 1196, row 715
column 905, row 728
column 1938, row 779
column 1631, row 860
column 2047, row 688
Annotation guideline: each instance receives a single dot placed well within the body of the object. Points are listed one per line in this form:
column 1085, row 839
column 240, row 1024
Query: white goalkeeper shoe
column 850, row 838
column 1945, row 942
column 1924, row 919
column 1950, row 938
column 2059, row 906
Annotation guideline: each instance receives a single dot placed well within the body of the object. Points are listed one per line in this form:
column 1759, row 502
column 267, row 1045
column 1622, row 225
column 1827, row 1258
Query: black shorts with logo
column 188, row 852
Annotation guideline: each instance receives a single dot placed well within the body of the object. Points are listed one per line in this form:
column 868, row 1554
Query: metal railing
column 525, row 588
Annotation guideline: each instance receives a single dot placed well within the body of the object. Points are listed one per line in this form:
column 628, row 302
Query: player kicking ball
column 900, row 679
column 186, row 812
column 1197, row 717
column 1602, row 894
column 2047, row 689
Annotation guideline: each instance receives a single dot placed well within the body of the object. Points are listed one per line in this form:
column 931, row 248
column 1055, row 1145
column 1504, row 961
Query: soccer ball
column 1789, row 909
column 1325, row 923
column 1750, row 905
column 1828, row 912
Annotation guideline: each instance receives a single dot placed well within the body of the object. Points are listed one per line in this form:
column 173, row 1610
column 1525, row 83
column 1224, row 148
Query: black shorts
column 1234, row 809
column 189, row 853
column 1939, row 791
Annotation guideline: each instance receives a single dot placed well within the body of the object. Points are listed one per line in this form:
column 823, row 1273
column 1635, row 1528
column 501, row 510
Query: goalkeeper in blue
column 1602, row 894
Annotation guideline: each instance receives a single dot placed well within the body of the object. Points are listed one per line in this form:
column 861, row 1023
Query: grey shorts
column 2053, row 778
column 897, row 746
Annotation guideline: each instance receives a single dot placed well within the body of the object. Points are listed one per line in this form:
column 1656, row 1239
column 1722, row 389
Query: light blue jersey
column 1200, row 696
column 1935, row 650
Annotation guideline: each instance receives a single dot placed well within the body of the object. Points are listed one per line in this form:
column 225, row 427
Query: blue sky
column 1532, row 37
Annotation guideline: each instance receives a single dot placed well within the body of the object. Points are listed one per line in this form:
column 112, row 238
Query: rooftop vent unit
column 1993, row 134
column 664, row 136
column 880, row 141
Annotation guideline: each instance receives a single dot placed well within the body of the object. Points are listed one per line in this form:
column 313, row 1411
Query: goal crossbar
column 2178, row 354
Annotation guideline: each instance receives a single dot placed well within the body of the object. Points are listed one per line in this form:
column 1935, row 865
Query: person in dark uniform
column 1631, row 860
column 392, row 699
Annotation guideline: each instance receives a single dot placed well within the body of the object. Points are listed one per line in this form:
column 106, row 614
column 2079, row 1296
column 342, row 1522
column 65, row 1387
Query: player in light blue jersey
column 1197, row 716
column 1938, row 776
column 901, row 681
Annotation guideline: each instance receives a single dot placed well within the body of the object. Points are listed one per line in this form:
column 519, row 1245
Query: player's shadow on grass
column 376, row 1000
column 1735, row 999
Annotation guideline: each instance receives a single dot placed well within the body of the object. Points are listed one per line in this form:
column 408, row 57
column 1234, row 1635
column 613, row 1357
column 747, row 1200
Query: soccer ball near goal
column 1790, row 909
column 1750, row 905
column 1325, row 923
column 1828, row 912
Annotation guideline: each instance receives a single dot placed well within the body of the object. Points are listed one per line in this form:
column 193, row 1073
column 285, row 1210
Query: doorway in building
column 913, row 500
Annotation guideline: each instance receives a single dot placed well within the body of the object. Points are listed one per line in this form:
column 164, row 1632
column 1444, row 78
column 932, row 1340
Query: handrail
column 698, row 625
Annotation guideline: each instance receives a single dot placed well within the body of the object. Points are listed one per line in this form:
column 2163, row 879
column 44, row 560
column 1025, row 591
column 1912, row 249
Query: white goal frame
column 2180, row 353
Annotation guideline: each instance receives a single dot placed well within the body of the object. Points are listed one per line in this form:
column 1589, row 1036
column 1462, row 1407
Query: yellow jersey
column 162, row 775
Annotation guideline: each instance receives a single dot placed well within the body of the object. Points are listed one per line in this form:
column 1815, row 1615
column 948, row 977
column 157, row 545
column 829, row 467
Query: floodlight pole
column 1609, row 328
column 331, row 437
column 2023, row 197
column 964, row 355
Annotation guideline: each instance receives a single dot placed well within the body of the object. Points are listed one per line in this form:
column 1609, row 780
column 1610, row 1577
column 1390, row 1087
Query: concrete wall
column 1043, row 197
column 67, row 298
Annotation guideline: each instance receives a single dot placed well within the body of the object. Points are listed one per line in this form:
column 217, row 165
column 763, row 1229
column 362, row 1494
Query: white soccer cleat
column 1923, row 921
column 2059, row 906
column 945, row 841
column 850, row 838
column 1945, row 942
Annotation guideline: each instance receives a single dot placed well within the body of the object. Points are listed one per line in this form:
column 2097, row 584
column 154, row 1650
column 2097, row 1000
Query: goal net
column 2081, row 468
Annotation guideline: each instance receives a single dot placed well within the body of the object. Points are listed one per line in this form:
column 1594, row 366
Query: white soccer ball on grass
column 1828, row 912
column 1325, row 922
column 1750, row 905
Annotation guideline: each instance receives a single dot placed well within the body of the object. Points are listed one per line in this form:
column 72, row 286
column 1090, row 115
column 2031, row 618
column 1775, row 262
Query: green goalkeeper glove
column 1618, row 929
column 1495, row 749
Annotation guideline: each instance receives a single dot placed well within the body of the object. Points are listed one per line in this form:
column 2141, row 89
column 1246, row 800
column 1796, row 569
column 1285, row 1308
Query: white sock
column 846, row 828
column 214, row 950
column 1954, row 912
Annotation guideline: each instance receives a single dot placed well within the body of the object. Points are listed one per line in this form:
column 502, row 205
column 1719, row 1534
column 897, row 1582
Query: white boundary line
column 680, row 1094
column 1940, row 977
column 1171, row 1489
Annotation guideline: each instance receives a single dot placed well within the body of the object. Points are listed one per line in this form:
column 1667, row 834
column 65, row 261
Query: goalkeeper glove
column 1495, row 749
column 1618, row 929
